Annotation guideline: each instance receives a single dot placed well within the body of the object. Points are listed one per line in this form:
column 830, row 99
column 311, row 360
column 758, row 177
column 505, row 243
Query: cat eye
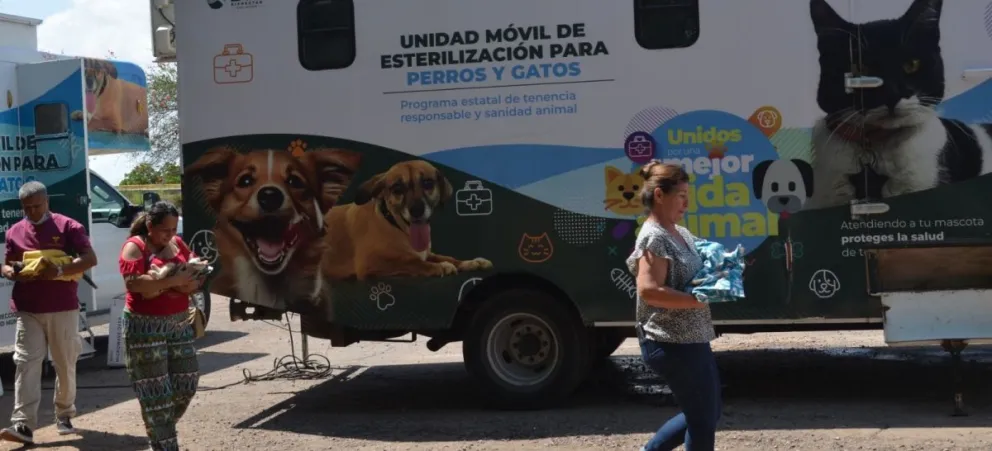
column 911, row 66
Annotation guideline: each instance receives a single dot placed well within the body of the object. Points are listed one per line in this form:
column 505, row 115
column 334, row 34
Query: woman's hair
column 156, row 214
column 660, row 175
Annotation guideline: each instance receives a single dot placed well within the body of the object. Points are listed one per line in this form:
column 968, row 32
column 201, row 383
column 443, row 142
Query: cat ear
column 825, row 19
column 924, row 15
column 612, row 173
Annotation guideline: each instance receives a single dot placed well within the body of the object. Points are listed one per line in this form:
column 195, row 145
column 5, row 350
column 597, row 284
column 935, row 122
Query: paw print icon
column 297, row 148
column 382, row 295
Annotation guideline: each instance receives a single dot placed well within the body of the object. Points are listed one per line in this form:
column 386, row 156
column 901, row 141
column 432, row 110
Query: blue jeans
column 691, row 372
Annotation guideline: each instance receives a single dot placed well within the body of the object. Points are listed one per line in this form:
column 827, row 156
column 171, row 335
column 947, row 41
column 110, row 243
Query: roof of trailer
column 30, row 21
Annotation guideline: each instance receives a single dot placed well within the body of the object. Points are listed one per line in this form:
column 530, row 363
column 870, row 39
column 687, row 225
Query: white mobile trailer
column 55, row 112
column 841, row 142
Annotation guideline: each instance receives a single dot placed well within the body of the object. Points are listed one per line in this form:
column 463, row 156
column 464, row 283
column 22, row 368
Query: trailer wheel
column 526, row 349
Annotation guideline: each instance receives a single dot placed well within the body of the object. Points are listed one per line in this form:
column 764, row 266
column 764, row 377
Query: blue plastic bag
column 722, row 277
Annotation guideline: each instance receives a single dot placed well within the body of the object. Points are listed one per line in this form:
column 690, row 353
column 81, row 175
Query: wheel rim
column 522, row 349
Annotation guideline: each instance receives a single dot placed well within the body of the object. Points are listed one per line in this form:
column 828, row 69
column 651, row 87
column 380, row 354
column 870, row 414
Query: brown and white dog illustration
column 269, row 207
column 113, row 105
column 387, row 230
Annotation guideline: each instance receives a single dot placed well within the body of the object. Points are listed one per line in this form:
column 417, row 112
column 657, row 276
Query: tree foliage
column 163, row 115
column 147, row 174
column 171, row 173
column 142, row 174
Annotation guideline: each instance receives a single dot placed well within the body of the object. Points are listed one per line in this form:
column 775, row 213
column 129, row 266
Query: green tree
column 171, row 173
column 142, row 174
column 163, row 115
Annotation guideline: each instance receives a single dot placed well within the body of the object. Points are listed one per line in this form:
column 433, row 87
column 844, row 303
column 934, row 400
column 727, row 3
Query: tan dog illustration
column 112, row 105
column 269, row 206
column 387, row 231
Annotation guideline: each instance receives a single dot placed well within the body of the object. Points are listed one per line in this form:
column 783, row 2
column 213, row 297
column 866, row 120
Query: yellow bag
column 36, row 261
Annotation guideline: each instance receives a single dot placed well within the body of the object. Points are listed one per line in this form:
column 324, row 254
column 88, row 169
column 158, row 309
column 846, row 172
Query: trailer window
column 666, row 24
column 51, row 119
column 326, row 33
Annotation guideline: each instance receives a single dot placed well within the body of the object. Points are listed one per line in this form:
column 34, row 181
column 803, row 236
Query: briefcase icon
column 474, row 200
column 639, row 147
column 233, row 65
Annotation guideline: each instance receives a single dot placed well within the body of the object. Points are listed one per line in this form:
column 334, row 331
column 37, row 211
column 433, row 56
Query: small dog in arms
column 199, row 267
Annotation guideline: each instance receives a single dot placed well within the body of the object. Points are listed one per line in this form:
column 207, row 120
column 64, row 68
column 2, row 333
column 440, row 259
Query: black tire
column 606, row 341
column 519, row 319
column 204, row 305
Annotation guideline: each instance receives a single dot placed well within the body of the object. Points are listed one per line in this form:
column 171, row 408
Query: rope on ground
column 292, row 367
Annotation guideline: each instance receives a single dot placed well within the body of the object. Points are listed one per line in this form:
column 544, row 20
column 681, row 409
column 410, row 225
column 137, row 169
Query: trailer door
column 53, row 124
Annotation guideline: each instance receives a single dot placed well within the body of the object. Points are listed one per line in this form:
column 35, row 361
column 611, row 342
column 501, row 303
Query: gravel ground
column 789, row 391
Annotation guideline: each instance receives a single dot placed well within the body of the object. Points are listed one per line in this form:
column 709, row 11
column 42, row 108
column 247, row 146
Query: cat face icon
column 535, row 248
column 622, row 192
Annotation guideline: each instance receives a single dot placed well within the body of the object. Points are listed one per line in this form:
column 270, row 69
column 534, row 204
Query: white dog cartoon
column 783, row 186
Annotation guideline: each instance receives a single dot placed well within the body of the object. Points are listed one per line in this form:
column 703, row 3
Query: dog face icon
column 783, row 186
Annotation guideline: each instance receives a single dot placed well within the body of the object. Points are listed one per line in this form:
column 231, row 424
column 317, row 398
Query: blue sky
column 93, row 28
column 33, row 8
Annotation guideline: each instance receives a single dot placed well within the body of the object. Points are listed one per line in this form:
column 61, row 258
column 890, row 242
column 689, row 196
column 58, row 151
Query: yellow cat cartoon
column 622, row 192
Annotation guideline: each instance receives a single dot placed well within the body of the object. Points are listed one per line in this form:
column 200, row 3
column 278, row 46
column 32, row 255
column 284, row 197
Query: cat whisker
column 842, row 123
column 840, row 116
column 929, row 99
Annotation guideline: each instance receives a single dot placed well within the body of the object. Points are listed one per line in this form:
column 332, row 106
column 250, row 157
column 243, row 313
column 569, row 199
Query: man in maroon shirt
column 47, row 311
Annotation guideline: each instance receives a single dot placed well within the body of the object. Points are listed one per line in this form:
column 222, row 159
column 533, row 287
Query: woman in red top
column 158, row 335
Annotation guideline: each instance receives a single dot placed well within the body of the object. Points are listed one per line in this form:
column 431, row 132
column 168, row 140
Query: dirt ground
column 789, row 391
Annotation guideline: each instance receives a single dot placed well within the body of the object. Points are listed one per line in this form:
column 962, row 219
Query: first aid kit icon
column 474, row 200
column 640, row 147
column 233, row 65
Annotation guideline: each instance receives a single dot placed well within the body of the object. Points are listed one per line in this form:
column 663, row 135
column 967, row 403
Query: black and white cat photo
column 888, row 140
